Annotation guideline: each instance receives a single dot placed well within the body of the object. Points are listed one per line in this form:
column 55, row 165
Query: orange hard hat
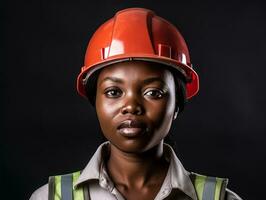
column 138, row 34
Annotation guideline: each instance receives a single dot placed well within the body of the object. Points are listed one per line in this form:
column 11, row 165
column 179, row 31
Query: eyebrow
column 153, row 79
column 113, row 79
column 145, row 82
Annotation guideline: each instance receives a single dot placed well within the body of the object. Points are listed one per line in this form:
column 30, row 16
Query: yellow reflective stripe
column 57, row 192
column 78, row 192
column 199, row 185
column 75, row 176
column 219, row 182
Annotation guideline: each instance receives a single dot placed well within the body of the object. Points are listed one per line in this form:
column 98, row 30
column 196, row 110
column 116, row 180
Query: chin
column 131, row 146
column 134, row 146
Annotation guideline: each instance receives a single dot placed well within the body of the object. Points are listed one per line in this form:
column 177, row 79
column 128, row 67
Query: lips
column 131, row 128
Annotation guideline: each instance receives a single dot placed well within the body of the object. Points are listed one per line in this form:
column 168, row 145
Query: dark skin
column 135, row 105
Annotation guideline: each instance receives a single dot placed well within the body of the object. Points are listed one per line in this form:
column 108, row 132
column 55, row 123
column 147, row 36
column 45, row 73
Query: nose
column 132, row 106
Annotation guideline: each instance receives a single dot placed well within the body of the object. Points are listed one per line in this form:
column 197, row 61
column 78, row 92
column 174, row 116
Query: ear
column 176, row 112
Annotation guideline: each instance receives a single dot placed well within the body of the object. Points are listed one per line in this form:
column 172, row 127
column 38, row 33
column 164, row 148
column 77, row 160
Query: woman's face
column 135, row 104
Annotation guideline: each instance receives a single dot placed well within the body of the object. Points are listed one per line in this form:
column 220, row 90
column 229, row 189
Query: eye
column 155, row 93
column 113, row 92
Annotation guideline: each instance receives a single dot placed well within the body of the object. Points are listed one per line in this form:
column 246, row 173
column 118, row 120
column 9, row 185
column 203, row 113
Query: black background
column 47, row 129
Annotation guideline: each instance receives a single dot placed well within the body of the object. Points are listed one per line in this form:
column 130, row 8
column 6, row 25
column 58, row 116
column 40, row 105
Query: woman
column 138, row 75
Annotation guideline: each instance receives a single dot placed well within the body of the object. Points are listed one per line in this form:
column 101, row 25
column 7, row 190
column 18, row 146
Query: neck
column 136, row 169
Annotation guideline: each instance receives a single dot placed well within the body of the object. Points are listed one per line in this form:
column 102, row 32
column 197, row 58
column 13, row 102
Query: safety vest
column 61, row 187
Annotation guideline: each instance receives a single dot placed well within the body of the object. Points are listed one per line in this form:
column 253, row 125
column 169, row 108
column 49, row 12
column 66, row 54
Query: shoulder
column 230, row 195
column 208, row 185
column 40, row 194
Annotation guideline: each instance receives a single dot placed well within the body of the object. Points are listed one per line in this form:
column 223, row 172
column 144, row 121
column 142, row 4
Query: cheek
column 160, row 116
column 161, row 112
column 105, row 112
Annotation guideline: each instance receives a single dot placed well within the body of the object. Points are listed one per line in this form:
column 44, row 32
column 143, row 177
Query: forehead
column 135, row 69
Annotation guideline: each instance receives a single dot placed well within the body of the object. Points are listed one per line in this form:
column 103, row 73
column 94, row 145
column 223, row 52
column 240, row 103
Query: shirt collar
column 177, row 176
column 94, row 167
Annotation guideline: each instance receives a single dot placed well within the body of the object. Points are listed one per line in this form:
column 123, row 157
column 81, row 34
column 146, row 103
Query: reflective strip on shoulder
column 209, row 188
column 57, row 191
column 78, row 192
column 199, row 183
column 219, row 183
column 66, row 187
column 61, row 187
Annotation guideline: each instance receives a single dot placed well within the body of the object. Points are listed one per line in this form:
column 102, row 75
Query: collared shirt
column 177, row 183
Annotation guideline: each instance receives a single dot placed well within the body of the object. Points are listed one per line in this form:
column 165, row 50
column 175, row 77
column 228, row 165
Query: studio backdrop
column 48, row 129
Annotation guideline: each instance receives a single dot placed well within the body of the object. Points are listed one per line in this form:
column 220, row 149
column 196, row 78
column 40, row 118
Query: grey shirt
column 177, row 183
